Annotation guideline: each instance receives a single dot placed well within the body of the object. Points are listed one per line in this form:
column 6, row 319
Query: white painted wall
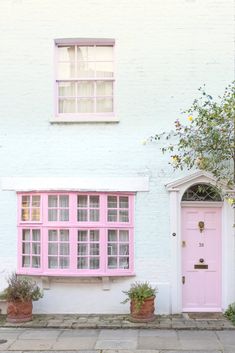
column 165, row 50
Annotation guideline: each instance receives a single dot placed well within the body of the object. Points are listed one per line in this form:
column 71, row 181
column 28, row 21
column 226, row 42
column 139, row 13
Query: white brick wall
column 165, row 50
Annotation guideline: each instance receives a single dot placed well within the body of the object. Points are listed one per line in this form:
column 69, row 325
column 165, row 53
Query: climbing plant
column 205, row 136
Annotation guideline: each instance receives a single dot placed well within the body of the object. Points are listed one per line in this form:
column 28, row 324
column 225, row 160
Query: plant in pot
column 19, row 294
column 141, row 296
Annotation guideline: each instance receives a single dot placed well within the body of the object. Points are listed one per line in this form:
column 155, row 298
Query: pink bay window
column 75, row 234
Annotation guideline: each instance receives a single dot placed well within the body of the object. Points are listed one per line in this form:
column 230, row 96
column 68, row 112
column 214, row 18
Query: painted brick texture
column 165, row 50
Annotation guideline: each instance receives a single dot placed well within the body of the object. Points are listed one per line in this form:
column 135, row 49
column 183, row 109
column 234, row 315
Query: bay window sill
column 102, row 118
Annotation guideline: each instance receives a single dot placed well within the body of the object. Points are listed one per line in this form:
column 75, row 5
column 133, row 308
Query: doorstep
column 75, row 321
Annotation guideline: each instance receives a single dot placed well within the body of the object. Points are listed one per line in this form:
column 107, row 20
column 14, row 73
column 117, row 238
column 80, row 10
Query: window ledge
column 84, row 119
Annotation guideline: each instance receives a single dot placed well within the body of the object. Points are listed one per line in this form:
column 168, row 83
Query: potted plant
column 141, row 296
column 19, row 294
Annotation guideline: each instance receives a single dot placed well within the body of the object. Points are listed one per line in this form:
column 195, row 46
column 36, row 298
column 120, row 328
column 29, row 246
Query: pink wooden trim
column 73, row 225
column 19, row 203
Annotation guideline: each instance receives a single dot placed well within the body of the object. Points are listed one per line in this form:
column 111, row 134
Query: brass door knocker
column 201, row 226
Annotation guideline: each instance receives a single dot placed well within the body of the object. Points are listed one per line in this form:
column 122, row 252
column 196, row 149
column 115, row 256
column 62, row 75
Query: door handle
column 183, row 279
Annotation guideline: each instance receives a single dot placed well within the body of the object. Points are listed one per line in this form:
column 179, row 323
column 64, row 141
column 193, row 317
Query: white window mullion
column 76, row 75
column 95, row 82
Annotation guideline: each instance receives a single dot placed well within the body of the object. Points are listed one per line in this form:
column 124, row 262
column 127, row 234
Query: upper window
column 85, row 80
column 75, row 234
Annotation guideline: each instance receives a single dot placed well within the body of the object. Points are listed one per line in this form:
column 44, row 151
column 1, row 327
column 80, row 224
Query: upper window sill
column 85, row 119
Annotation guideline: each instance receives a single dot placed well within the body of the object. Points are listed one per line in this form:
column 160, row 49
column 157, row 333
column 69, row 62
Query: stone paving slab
column 77, row 343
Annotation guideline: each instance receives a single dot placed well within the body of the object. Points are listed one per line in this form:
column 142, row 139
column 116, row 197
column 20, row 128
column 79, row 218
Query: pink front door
column 201, row 259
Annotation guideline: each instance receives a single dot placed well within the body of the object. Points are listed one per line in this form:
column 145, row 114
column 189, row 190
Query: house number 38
column 201, row 245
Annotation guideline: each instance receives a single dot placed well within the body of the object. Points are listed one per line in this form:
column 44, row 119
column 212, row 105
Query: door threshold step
column 204, row 315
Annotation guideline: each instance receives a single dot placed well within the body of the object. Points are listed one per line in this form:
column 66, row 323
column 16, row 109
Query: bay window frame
column 73, row 225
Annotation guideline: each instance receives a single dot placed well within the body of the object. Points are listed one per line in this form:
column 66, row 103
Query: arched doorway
column 201, row 248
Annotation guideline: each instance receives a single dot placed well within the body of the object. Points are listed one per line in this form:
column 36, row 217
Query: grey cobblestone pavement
column 117, row 334
column 179, row 322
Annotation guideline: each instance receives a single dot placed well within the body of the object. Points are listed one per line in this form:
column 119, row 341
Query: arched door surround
column 198, row 192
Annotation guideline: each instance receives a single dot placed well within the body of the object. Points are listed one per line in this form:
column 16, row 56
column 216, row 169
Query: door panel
column 202, row 287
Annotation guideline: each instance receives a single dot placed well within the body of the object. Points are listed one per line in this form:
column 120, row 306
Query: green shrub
column 138, row 292
column 21, row 288
column 230, row 313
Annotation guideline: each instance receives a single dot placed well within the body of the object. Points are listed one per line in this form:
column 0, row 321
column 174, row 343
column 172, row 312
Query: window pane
column 82, row 201
column 66, row 53
column 85, row 89
column 82, row 249
column 112, row 201
column 35, row 214
column 82, row 263
column 52, row 249
column 104, row 105
column 123, row 216
column 64, row 249
column 26, row 234
column 64, row 235
column 94, row 235
column 66, row 71
column 26, row 261
column 52, row 215
column 112, row 249
column 66, row 89
column 64, row 262
column 86, row 69
column 123, row 235
column 36, row 235
column 112, row 235
column 104, row 69
column 112, row 262
column 123, row 202
column 25, row 248
column 35, row 248
column 94, row 263
column 52, row 201
column 25, row 214
column 35, row 261
column 52, row 262
column 86, row 105
column 104, row 53
column 82, row 235
column 124, row 249
column 94, row 215
column 85, row 53
column 52, row 235
column 104, row 88
column 67, row 106
column 94, row 201
column 64, row 201
column 112, row 215
column 94, row 249
column 64, row 215
column 36, row 201
column 82, row 215
column 124, row 262
column 25, row 201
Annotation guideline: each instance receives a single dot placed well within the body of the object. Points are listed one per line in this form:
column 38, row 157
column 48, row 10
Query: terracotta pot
column 19, row 311
column 145, row 313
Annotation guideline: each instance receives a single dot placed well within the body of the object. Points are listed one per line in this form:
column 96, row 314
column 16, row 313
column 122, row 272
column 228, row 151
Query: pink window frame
column 83, row 42
column 20, row 208
column 73, row 225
